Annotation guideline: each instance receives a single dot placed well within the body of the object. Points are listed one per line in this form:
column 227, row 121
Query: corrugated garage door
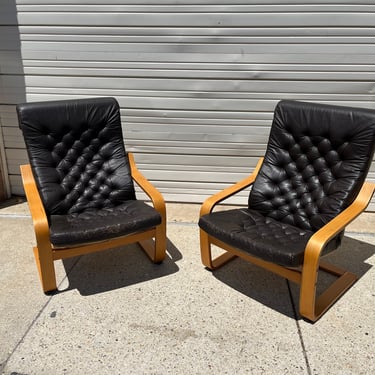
column 12, row 91
column 197, row 80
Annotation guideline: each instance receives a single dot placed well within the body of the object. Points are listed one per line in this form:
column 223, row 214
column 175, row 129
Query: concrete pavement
column 119, row 314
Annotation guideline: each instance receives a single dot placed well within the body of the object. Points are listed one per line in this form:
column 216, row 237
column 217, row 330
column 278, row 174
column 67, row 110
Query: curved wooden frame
column 311, row 306
column 153, row 241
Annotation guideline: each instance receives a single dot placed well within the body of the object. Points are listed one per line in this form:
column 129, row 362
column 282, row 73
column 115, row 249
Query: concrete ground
column 117, row 313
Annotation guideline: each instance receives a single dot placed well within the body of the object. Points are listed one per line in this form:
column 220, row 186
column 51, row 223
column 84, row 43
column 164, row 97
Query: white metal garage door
column 197, row 80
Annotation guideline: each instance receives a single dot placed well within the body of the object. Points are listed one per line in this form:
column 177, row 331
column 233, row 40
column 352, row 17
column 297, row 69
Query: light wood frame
column 311, row 306
column 153, row 241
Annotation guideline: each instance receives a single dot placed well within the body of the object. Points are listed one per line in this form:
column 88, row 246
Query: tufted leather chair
column 79, row 184
column 309, row 186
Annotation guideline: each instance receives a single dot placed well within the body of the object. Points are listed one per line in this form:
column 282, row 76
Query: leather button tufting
column 322, row 161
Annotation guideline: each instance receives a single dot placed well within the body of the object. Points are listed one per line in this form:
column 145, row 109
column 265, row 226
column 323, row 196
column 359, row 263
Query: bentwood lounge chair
column 79, row 184
column 309, row 186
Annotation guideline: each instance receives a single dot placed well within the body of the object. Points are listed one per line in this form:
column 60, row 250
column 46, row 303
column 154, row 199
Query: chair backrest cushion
column 77, row 155
column 316, row 161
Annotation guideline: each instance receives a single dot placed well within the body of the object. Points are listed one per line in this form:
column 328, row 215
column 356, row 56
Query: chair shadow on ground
column 116, row 268
column 281, row 295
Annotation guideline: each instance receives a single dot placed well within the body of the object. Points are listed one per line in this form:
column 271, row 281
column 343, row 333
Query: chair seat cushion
column 260, row 236
column 94, row 225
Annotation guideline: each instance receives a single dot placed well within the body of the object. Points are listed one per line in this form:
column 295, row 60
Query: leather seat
column 262, row 236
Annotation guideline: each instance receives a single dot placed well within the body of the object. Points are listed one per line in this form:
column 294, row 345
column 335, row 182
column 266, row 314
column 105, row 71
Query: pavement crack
column 4, row 364
column 296, row 316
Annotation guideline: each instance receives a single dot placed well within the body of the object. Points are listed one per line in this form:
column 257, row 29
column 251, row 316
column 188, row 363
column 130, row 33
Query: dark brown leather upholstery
column 76, row 151
column 316, row 161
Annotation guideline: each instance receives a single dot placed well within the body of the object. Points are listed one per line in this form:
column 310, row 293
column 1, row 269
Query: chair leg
column 312, row 306
column 46, row 268
column 156, row 249
column 160, row 243
column 206, row 253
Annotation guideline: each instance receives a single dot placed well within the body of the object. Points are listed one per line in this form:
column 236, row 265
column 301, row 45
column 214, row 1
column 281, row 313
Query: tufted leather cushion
column 97, row 225
column 77, row 155
column 260, row 236
column 316, row 161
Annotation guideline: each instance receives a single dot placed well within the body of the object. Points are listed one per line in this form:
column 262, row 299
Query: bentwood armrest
column 311, row 305
column 154, row 194
column 156, row 251
column 211, row 202
column 36, row 207
column 336, row 225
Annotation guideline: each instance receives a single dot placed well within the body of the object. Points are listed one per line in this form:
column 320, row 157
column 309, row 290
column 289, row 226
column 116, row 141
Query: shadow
column 12, row 201
column 116, row 268
column 258, row 284
column 281, row 295
column 352, row 255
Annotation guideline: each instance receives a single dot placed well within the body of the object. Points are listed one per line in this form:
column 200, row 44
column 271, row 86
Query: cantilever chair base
column 153, row 241
column 322, row 303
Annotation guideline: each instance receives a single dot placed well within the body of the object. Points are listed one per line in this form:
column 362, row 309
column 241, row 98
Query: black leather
column 97, row 225
column 77, row 155
column 316, row 161
column 261, row 236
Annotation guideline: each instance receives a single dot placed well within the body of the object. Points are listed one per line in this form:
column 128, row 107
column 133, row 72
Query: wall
column 12, row 91
column 197, row 80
